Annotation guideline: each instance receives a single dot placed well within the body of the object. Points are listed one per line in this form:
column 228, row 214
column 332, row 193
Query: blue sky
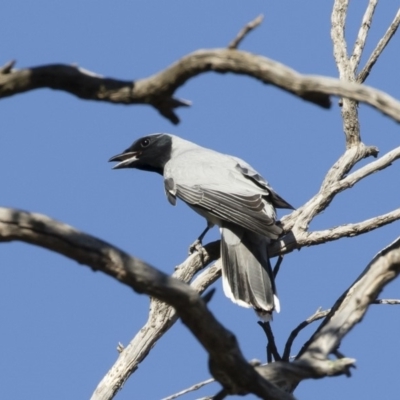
column 61, row 322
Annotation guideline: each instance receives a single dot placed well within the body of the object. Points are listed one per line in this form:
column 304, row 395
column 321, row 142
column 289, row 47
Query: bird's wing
column 248, row 172
column 243, row 210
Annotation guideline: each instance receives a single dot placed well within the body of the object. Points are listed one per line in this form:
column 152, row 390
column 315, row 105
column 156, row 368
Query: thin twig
column 7, row 67
column 272, row 350
column 386, row 301
column 244, row 31
column 362, row 35
column 315, row 317
column 378, row 165
column 362, row 76
column 197, row 386
column 355, row 229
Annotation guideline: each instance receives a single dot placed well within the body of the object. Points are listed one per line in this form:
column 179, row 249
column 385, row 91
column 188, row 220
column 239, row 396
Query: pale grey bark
column 157, row 90
column 362, row 76
column 362, row 35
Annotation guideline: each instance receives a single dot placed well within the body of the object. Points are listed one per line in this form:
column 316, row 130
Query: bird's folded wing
column 253, row 175
column 244, row 210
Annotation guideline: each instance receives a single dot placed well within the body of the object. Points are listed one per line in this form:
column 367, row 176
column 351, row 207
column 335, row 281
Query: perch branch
column 161, row 318
column 226, row 361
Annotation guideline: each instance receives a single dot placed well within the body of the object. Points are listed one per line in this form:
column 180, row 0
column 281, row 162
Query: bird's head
column 149, row 153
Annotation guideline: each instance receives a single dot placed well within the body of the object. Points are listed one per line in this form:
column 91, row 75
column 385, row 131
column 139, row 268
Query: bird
column 229, row 193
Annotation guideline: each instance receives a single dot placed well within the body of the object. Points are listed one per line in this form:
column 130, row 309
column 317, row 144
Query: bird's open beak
column 125, row 159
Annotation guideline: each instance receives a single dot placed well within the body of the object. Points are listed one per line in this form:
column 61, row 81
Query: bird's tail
column 247, row 277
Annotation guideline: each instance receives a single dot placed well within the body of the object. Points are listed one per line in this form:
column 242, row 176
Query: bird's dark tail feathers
column 247, row 276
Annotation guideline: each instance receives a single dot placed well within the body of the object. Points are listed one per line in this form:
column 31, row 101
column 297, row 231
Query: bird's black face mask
column 149, row 153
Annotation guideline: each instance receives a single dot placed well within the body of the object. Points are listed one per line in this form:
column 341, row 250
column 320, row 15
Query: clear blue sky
column 61, row 322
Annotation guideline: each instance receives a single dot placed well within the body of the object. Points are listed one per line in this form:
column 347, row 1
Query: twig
column 315, row 317
column 362, row 76
column 350, row 230
column 272, row 350
column 197, row 386
column 386, row 301
column 374, row 166
column 301, row 238
column 362, row 35
column 244, row 31
column 7, row 67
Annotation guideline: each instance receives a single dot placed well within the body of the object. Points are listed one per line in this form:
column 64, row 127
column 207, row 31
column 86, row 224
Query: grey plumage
column 229, row 193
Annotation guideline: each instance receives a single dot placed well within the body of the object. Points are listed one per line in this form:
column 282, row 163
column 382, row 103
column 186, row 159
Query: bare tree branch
column 356, row 229
column 349, row 310
column 161, row 319
column 157, row 90
column 349, row 110
column 298, row 221
column 197, row 386
column 391, row 302
column 363, row 75
column 244, row 31
column 226, row 362
column 353, row 304
column 374, row 166
column 338, row 19
column 42, row 231
column 301, row 239
column 272, row 350
column 315, row 317
column 362, row 35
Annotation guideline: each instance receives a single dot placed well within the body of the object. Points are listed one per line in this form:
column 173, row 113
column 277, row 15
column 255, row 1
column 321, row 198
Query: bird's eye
column 145, row 142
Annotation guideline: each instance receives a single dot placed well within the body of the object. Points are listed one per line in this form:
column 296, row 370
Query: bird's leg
column 197, row 244
column 277, row 266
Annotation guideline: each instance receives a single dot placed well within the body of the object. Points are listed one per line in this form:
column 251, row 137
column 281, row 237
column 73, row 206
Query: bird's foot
column 198, row 246
column 195, row 246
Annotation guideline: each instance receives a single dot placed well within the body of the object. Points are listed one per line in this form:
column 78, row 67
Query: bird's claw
column 195, row 246
column 198, row 246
